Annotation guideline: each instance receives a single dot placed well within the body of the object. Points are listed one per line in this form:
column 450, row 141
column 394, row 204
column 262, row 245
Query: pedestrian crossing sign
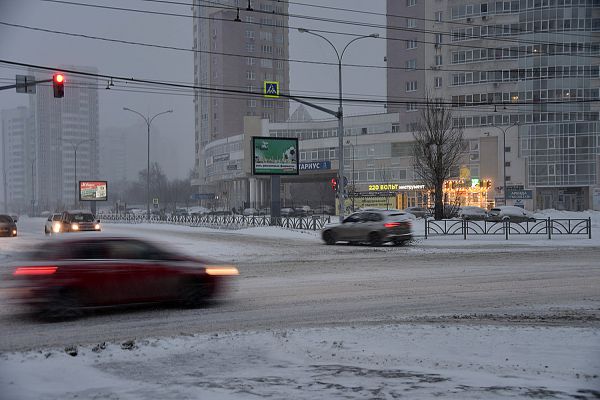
column 271, row 89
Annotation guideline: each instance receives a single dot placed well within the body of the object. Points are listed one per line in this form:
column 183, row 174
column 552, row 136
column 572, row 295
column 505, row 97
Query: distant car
column 418, row 212
column 250, row 211
column 324, row 210
column 510, row 213
column 61, row 278
column 264, row 211
column 78, row 221
column 472, row 213
column 8, row 226
column 371, row 226
column 287, row 212
column 53, row 224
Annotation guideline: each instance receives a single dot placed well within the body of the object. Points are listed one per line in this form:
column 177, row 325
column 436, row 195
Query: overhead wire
column 74, row 3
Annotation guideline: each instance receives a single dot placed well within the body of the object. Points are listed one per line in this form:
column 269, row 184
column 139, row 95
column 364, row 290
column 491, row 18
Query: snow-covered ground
column 458, row 360
column 374, row 362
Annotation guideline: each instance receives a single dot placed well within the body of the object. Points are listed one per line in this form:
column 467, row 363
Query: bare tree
column 437, row 151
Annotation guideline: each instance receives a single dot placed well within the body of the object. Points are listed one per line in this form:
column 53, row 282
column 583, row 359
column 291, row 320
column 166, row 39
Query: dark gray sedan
column 8, row 226
column 374, row 227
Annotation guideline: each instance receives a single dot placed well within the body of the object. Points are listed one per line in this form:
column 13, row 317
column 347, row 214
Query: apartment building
column 239, row 45
column 527, row 70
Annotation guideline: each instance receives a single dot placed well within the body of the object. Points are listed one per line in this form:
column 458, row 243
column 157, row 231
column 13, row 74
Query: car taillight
column 221, row 270
column 41, row 270
column 392, row 224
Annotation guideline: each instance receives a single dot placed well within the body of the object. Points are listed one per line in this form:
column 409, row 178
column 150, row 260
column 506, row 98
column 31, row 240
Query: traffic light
column 58, row 83
column 333, row 184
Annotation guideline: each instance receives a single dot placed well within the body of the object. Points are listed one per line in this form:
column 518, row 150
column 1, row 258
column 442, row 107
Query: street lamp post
column 75, row 147
column 340, row 114
column 32, row 187
column 148, row 122
column 504, row 130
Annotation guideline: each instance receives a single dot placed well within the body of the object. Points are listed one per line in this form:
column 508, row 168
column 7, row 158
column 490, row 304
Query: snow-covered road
column 477, row 320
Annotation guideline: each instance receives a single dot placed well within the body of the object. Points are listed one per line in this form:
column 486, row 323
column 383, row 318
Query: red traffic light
column 333, row 183
column 58, row 84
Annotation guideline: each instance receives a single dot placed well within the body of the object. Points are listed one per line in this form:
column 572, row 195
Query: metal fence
column 548, row 227
column 314, row 222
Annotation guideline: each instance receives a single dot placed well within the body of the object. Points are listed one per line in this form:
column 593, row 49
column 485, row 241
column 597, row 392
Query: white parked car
column 510, row 213
column 250, row 211
column 472, row 213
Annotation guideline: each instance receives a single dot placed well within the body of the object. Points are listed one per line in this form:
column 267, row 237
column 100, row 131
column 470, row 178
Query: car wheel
column 329, row 237
column 195, row 293
column 400, row 242
column 374, row 239
column 65, row 304
column 46, row 231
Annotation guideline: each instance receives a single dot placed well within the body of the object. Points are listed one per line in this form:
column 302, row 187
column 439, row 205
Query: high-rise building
column 239, row 45
column 529, row 63
column 65, row 127
column 18, row 160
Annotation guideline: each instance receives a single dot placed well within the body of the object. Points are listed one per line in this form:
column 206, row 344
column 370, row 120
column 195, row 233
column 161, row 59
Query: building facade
column 65, row 129
column 239, row 45
column 526, row 69
column 18, row 160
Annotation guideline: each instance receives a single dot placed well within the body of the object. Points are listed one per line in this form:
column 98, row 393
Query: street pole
column 148, row 122
column 340, row 115
column 32, row 188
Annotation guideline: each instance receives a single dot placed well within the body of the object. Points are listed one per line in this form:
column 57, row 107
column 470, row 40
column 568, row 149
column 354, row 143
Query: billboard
column 275, row 156
column 93, row 191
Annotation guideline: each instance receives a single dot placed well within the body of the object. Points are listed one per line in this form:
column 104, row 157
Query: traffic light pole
column 20, row 85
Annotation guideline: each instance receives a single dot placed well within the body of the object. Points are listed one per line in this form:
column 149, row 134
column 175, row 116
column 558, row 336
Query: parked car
column 287, row 212
column 510, row 213
column 472, row 213
column 264, row 211
column 418, row 212
column 53, row 224
column 324, row 210
column 250, row 211
column 79, row 220
column 371, row 226
column 8, row 226
column 62, row 277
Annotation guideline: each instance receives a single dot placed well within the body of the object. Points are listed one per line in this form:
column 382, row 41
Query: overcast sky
column 27, row 46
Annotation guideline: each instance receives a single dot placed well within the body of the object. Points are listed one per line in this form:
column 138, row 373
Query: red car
column 63, row 277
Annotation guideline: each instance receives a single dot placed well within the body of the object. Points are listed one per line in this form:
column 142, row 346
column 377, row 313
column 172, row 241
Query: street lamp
column 148, row 121
column 75, row 147
column 340, row 113
column 504, row 130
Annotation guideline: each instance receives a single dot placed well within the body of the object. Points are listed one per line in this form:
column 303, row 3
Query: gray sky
column 150, row 63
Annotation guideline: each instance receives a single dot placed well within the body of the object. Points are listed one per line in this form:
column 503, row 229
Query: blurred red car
column 63, row 277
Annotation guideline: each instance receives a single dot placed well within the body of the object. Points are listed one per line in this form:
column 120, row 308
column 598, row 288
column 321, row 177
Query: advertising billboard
column 275, row 156
column 93, row 191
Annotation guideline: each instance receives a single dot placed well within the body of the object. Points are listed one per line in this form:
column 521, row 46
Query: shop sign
column 221, row 157
column 524, row 194
column 314, row 166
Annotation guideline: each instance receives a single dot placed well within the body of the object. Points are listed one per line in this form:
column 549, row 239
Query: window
column 411, row 64
column 266, row 63
column 571, row 142
column 507, row 149
column 251, row 103
column 551, row 169
column 507, row 164
column 250, row 48
column 410, row 3
column 551, row 143
column 438, row 38
column 250, row 34
column 250, row 75
column 411, row 23
column 411, row 107
column 438, row 16
column 438, row 60
column 411, row 44
column 438, row 81
column 250, row 61
column 411, row 86
column 572, row 169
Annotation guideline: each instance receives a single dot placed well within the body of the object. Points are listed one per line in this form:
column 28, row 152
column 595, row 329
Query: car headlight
column 75, row 227
column 14, row 232
column 56, row 227
column 97, row 227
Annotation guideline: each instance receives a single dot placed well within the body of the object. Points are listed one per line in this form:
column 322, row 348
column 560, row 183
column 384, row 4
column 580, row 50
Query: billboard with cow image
column 275, row 156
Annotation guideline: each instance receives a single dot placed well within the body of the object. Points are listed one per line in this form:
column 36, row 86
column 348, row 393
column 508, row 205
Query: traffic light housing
column 333, row 184
column 58, row 84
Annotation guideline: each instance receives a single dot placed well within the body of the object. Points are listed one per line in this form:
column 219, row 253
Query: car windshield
column 83, row 217
column 5, row 219
column 56, row 217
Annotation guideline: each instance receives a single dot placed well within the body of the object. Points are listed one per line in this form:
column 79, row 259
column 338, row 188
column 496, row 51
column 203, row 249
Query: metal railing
column 314, row 222
column 548, row 227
